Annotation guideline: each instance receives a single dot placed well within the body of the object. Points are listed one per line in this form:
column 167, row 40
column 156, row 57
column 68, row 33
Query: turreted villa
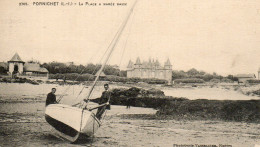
column 150, row 69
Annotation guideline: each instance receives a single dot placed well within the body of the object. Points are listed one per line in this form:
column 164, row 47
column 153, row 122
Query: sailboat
column 78, row 122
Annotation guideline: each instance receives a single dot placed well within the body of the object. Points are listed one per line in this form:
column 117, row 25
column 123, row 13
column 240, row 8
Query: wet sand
column 22, row 123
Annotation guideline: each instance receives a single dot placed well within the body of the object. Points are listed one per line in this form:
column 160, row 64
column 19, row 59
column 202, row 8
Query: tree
column 208, row 77
column 61, row 68
column 192, row 72
column 109, row 70
column 178, row 74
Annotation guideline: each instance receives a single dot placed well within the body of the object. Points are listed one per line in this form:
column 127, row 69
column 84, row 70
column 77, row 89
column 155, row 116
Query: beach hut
column 34, row 69
column 15, row 65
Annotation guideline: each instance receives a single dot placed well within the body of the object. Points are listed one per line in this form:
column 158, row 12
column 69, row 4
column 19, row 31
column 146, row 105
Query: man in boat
column 105, row 98
column 51, row 97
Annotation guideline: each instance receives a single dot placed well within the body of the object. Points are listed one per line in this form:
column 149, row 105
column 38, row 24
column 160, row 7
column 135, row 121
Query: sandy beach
column 22, row 124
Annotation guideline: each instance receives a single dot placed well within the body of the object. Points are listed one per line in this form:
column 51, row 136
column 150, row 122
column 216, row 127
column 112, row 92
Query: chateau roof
column 157, row 63
column 146, row 64
column 138, row 61
column 150, row 64
column 16, row 58
column 168, row 62
column 34, row 67
column 130, row 64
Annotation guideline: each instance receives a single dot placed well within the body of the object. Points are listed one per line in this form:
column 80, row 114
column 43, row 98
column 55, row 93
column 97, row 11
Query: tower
column 168, row 71
column 15, row 65
column 129, row 69
column 167, row 64
column 137, row 68
column 157, row 64
column 137, row 63
column 130, row 65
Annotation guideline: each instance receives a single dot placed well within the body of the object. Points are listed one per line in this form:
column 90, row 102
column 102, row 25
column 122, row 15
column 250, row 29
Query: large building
column 17, row 67
column 150, row 69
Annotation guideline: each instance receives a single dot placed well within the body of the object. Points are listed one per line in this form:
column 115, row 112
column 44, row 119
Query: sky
column 214, row 36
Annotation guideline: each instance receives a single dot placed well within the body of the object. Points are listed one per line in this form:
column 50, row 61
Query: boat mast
column 114, row 43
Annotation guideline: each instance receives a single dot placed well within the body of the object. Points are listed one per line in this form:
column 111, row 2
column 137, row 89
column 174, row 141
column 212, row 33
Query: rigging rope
column 115, row 42
column 90, row 92
column 102, row 57
column 61, row 96
column 120, row 60
column 123, row 49
column 130, row 27
column 112, row 45
column 80, row 74
column 116, row 38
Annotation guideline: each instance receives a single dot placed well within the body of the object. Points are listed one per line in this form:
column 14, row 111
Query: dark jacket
column 104, row 97
column 51, row 99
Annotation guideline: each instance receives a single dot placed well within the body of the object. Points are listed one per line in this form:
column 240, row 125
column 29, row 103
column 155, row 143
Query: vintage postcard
column 177, row 73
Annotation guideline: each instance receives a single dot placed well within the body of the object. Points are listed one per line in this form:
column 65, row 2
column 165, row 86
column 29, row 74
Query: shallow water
column 208, row 93
column 27, row 92
column 13, row 92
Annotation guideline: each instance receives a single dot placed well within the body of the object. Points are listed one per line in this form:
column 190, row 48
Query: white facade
column 150, row 69
column 19, row 66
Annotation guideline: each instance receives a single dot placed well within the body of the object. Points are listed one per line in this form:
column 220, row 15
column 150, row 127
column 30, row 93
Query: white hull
column 70, row 122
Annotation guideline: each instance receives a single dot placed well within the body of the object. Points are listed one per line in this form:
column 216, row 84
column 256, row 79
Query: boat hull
column 71, row 123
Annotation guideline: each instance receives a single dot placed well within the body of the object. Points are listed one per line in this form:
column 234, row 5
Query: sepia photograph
column 130, row 73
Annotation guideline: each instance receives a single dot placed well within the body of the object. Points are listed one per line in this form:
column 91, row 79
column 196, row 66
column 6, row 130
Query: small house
column 242, row 78
column 34, row 69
